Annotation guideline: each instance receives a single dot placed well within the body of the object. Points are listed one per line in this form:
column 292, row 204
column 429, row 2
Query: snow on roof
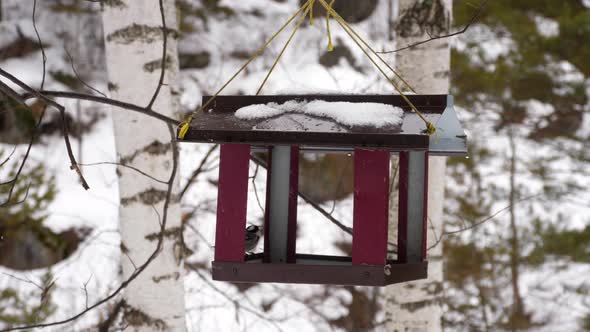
column 345, row 113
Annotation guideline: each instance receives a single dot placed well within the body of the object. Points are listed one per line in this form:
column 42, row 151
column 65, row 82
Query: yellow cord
column 309, row 9
column 185, row 125
column 330, row 45
column 311, row 12
column 336, row 15
column 430, row 128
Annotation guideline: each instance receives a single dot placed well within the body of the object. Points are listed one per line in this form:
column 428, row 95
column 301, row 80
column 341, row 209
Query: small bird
column 253, row 234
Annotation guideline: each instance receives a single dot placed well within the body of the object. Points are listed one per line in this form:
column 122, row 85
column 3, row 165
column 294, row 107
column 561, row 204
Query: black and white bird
column 253, row 234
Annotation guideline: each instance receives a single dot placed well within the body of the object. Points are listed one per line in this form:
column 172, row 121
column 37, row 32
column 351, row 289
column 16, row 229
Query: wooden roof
column 219, row 125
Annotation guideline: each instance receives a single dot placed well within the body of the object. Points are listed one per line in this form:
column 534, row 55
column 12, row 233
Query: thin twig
column 486, row 219
column 61, row 109
column 309, row 201
column 235, row 302
column 78, row 77
column 7, row 90
column 164, row 57
column 14, row 180
column 85, row 289
column 106, row 101
column 471, row 22
column 40, row 44
column 9, row 156
column 256, row 189
column 125, row 166
column 198, row 171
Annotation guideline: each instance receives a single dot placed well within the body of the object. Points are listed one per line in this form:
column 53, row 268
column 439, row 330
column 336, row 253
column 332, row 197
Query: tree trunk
column 417, row 306
column 518, row 317
column 134, row 38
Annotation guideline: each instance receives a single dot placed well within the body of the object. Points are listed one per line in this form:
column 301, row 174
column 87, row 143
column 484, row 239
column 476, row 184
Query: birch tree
column 417, row 306
column 134, row 41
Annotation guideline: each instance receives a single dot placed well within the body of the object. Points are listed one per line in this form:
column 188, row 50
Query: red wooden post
column 371, row 207
column 232, row 202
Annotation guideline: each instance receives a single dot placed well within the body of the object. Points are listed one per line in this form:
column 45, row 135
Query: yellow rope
column 309, row 9
column 430, row 128
column 337, row 16
column 330, row 45
column 185, row 125
column 311, row 12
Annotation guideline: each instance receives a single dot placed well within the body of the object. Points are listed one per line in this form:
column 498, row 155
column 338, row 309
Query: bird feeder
column 371, row 149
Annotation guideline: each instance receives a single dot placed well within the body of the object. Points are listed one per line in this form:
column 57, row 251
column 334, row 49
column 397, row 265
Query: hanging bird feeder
column 414, row 126
column 284, row 135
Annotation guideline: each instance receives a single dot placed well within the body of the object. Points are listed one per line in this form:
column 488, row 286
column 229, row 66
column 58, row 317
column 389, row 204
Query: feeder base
column 316, row 269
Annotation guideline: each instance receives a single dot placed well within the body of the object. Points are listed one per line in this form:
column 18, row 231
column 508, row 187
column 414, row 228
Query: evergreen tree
column 522, row 73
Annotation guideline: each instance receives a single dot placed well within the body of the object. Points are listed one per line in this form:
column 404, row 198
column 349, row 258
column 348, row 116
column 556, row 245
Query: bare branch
column 107, row 101
column 78, row 75
column 125, row 166
column 62, row 110
column 309, row 201
column 486, row 219
column 198, row 171
column 9, row 156
column 44, row 73
column 235, row 302
column 141, row 268
column 164, row 57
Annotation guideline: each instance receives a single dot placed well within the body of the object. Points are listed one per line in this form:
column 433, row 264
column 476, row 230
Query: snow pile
column 346, row 113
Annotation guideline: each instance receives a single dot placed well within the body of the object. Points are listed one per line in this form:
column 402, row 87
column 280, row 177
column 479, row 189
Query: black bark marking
column 155, row 148
column 113, row 87
column 424, row 17
column 170, row 233
column 156, row 65
column 158, row 279
column 107, row 324
column 139, row 32
column 150, row 196
column 124, row 248
column 114, row 4
column 136, row 317
column 417, row 305
column 442, row 74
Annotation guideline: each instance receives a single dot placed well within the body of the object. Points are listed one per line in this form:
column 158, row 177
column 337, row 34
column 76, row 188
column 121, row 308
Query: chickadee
column 253, row 234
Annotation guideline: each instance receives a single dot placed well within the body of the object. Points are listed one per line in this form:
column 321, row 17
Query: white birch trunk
column 134, row 39
column 417, row 306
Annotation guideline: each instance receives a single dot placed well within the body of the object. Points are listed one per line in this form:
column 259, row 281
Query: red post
column 232, row 203
column 371, row 207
